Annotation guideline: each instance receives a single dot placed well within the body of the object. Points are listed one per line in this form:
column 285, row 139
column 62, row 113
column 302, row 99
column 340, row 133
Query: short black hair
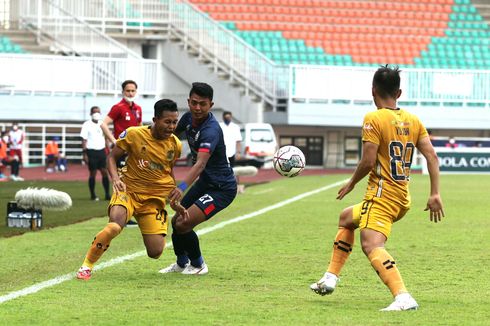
column 202, row 89
column 93, row 108
column 226, row 113
column 386, row 81
column 164, row 105
column 129, row 81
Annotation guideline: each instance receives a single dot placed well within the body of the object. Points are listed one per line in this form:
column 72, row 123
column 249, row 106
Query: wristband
column 182, row 186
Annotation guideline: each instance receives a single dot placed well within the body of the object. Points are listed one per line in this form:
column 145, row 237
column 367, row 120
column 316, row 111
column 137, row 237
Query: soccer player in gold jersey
column 142, row 189
column 390, row 136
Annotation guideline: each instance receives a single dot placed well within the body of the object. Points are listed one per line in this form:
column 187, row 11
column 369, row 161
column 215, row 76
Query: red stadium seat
column 363, row 29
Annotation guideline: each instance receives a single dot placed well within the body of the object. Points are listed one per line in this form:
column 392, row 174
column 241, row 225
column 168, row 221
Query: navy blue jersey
column 208, row 137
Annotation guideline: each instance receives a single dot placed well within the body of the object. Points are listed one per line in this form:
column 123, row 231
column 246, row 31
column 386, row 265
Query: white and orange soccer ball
column 289, row 161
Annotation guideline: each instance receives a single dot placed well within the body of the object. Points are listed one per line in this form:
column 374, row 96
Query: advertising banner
column 462, row 160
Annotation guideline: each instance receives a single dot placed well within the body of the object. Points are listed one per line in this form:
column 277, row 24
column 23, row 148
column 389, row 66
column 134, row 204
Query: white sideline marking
column 60, row 279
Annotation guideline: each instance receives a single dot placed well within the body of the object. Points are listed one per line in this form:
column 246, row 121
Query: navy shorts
column 210, row 199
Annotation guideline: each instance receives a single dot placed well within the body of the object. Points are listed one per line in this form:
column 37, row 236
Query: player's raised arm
column 434, row 203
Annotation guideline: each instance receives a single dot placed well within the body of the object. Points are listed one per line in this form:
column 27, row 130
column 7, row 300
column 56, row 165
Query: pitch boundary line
column 118, row 260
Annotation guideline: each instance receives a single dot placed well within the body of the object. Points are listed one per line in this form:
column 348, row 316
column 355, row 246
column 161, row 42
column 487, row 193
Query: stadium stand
column 420, row 34
column 7, row 46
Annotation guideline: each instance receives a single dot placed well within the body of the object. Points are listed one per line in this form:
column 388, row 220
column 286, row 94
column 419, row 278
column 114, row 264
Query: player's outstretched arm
column 195, row 171
column 114, row 156
column 366, row 164
column 105, row 129
column 434, row 203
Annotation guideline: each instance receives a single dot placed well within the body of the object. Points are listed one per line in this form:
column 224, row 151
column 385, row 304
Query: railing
column 225, row 51
column 67, row 31
column 234, row 58
column 37, row 135
column 122, row 16
column 74, row 75
column 420, row 86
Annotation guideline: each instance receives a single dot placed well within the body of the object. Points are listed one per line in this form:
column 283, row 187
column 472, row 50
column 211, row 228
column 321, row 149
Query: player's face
column 129, row 90
column 199, row 107
column 165, row 125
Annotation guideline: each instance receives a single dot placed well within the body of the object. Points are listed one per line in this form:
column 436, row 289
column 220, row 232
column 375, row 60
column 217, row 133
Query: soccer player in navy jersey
column 215, row 187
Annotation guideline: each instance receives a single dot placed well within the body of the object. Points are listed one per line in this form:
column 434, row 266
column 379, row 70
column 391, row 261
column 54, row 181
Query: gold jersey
column 150, row 161
column 397, row 133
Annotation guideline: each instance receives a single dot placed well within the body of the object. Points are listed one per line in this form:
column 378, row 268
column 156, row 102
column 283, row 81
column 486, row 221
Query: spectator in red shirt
column 124, row 114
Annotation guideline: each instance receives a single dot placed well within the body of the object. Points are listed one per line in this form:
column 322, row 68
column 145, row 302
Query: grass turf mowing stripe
column 60, row 279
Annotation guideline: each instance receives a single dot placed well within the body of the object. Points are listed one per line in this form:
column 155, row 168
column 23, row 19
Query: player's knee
column 345, row 219
column 154, row 253
column 368, row 245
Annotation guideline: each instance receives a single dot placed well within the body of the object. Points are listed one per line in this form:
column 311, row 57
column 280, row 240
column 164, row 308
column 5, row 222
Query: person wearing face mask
column 16, row 137
column 94, row 154
column 233, row 141
column 124, row 114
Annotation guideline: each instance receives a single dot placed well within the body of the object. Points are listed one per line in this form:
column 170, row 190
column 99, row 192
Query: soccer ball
column 289, row 161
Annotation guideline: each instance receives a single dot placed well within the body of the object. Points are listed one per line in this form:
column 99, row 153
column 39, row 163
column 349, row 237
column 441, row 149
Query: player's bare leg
column 154, row 244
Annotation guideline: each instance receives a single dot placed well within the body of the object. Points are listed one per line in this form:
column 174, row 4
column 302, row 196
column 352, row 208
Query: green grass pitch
column 260, row 268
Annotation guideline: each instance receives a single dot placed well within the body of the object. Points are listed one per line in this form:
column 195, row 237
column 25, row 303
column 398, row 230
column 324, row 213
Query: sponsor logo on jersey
column 123, row 134
column 143, row 164
column 367, row 126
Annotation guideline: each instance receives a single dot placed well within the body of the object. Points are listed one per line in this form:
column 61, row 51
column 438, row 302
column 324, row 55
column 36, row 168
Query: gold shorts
column 377, row 214
column 148, row 210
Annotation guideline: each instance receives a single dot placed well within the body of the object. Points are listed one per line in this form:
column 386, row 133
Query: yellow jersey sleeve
column 371, row 130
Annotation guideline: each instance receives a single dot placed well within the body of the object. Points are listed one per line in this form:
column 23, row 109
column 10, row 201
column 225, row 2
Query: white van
column 258, row 144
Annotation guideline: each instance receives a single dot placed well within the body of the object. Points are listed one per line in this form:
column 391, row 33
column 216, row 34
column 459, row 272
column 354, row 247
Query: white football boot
column 403, row 301
column 174, row 268
column 191, row 270
column 326, row 285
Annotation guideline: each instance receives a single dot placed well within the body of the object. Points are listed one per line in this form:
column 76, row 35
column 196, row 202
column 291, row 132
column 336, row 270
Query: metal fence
column 37, row 135
column 80, row 26
column 73, row 75
column 420, row 86
column 68, row 31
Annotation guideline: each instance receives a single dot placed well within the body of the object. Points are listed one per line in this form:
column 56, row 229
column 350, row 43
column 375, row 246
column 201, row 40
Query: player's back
column 397, row 133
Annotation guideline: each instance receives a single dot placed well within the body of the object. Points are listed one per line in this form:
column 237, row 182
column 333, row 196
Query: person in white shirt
column 16, row 137
column 233, row 141
column 94, row 152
